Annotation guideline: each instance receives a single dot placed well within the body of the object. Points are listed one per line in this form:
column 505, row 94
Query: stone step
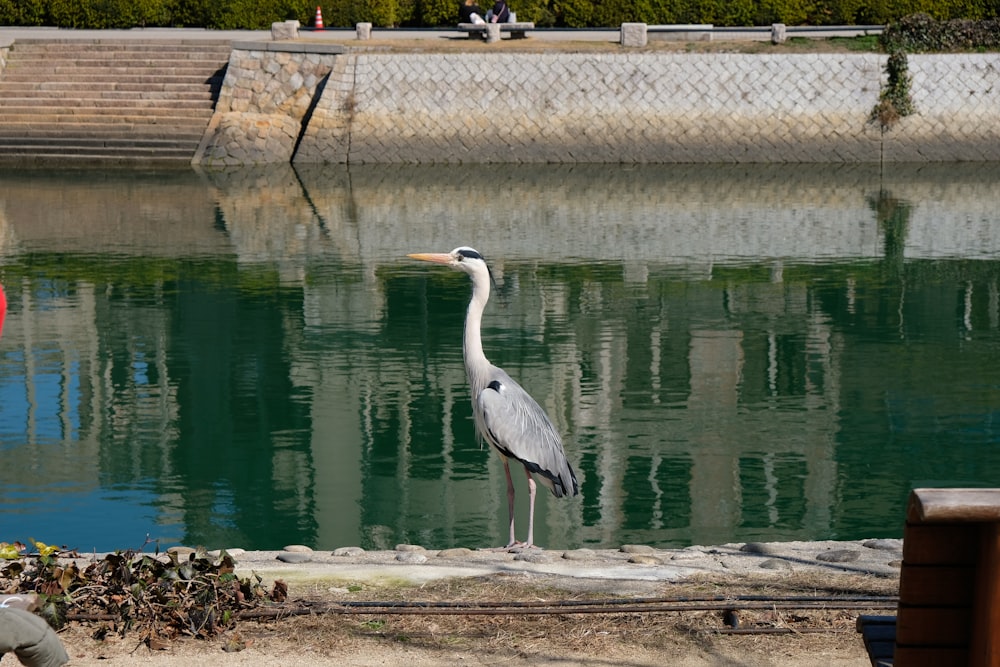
column 110, row 70
column 60, row 156
column 107, row 101
column 89, row 144
column 111, row 43
column 60, row 131
column 126, row 76
column 137, row 119
column 78, row 87
column 52, row 104
column 10, row 92
column 111, row 60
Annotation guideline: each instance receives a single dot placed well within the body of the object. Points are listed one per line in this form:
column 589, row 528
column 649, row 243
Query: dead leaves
column 161, row 597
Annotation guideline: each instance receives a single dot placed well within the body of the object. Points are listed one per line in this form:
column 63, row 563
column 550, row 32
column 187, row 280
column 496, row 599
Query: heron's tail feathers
column 573, row 488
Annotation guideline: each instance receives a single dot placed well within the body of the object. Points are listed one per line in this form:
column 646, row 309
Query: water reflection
column 246, row 358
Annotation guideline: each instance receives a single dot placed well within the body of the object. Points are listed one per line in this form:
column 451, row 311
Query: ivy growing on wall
column 894, row 101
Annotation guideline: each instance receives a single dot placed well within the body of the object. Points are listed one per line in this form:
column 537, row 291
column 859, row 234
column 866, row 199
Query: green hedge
column 260, row 14
column 920, row 32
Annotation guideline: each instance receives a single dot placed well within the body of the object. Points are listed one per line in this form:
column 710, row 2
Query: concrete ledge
column 290, row 47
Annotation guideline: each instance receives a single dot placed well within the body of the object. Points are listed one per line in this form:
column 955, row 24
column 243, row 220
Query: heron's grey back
column 508, row 418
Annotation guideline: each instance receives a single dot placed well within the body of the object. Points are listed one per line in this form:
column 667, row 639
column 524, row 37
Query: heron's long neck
column 473, row 344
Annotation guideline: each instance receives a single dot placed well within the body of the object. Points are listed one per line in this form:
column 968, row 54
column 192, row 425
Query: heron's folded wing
column 516, row 425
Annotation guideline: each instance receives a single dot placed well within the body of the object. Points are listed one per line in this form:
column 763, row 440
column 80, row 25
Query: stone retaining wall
column 597, row 107
column 957, row 98
column 265, row 98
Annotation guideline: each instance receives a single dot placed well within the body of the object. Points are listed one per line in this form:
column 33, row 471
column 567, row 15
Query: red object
column 319, row 19
column 3, row 307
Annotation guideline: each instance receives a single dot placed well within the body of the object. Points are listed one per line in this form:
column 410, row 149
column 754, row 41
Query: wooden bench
column 949, row 585
column 517, row 30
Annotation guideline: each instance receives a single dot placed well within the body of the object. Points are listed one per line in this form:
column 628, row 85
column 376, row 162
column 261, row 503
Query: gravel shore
column 628, row 568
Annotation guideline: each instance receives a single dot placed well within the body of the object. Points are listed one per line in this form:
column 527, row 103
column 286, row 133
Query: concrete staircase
column 125, row 101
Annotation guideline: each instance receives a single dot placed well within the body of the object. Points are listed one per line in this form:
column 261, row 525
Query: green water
column 248, row 359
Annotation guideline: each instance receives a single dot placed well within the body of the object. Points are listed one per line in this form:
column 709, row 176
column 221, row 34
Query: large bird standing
column 505, row 414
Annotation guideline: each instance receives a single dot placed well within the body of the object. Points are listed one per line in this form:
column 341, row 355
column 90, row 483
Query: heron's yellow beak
column 436, row 257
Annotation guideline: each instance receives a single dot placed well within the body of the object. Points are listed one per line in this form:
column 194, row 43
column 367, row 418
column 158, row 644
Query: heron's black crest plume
column 470, row 254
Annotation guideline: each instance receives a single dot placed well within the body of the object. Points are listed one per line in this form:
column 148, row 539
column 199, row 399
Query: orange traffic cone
column 319, row 19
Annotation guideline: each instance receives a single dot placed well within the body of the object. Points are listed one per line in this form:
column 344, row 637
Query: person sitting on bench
column 470, row 12
column 499, row 14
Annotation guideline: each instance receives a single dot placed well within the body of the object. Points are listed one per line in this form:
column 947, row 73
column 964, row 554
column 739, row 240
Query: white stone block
column 492, row 32
column 778, row 33
column 364, row 31
column 285, row 30
column 633, row 35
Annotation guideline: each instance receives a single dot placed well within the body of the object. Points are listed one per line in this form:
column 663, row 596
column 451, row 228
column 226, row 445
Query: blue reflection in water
column 731, row 354
column 65, row 515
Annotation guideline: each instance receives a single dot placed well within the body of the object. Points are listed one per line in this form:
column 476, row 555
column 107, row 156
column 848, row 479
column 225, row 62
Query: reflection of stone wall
column 694, row 214
column 659, row 213
column 372, row 214
column 268, row 217
column 671, row 213
column 154, row 213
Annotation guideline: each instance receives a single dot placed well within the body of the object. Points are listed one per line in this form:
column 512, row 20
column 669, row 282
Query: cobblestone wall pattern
column 613, row 107
column 263, row 100
column 957, row 97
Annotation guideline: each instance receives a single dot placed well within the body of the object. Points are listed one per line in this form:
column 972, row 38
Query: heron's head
column 461, row 259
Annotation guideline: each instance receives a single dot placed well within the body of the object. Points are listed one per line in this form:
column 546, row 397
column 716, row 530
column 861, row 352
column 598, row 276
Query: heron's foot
column 513, row 547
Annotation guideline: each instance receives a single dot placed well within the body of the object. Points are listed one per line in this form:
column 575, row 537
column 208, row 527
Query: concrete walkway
column 10, row 34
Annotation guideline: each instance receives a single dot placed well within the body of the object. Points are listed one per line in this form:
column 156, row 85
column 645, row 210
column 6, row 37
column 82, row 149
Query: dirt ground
column 630, row 637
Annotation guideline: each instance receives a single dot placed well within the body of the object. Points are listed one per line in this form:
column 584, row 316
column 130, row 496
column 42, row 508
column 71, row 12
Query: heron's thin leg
column 531, row 509
column 510, row 501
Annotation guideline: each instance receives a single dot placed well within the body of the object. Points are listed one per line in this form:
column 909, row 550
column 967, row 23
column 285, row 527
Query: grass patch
column 596, row 635
column 864, row 43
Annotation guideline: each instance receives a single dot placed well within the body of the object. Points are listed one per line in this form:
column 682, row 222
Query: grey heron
column 505, row 415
